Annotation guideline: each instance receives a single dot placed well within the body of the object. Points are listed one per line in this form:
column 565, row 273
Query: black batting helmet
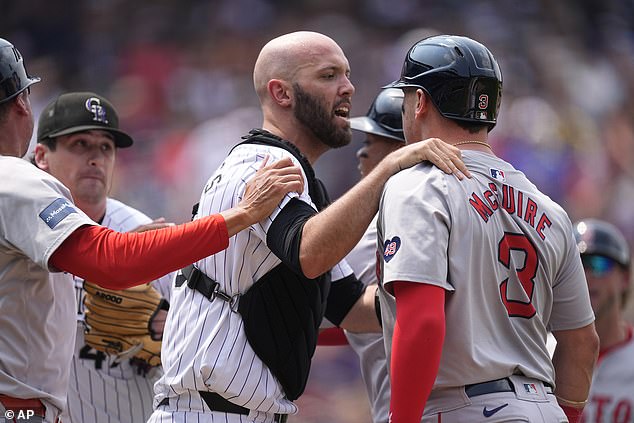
column 602, row 238
column 384, row 117
column 460, row 75
column 13, row 76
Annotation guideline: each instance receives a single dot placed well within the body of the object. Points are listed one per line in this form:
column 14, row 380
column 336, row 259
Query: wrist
column 237, row 219
column 389, row 166
column 570, row 403
column 573, row 413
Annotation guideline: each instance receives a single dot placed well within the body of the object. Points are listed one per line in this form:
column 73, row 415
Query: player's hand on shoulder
column 444, row 156
column 268, row 187
column 155, row 224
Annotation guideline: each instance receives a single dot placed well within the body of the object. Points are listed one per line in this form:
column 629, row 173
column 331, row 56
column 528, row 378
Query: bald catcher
column 243, row 325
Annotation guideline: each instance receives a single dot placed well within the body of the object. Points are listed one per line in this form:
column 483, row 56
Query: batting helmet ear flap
column 13, row 76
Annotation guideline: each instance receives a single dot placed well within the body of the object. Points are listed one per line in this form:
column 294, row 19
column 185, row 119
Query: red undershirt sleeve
column 419, row 332
column 118, row 260
column 573, row 414
column 332, row 337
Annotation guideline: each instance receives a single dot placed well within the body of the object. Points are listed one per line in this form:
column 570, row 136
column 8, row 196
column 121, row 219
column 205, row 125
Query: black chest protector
column 283, row 310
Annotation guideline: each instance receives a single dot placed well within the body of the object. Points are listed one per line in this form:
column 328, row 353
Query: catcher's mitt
column 119, row 322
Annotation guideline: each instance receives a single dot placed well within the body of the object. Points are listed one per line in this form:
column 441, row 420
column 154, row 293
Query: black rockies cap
column 78, row 112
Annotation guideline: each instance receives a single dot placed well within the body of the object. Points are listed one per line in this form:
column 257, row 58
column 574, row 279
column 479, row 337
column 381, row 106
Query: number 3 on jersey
column 526, row 274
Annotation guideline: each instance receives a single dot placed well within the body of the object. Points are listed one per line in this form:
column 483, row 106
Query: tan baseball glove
column 119, row 323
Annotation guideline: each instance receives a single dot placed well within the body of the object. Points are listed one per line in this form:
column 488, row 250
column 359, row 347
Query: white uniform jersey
column 205, row 345
column 370, row 346
column 101, row 390
column 611, row 397
column 37, row 307
column 505, row 254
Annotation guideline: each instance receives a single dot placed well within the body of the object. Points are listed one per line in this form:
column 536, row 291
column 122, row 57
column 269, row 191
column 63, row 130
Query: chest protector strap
column 282, row 311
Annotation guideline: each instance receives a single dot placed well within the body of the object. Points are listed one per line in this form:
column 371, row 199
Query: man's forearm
column 331, row 234
column 574, row 360
column 363, row 317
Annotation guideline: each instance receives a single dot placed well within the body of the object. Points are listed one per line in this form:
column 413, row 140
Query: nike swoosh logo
column 489, row 413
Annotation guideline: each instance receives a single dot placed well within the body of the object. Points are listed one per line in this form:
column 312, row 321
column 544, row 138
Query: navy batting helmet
column 13, row 76
column 384, row 117
column 601, row 238
column 460, row 75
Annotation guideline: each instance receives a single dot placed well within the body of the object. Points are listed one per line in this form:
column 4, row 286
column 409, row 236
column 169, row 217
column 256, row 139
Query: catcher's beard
column 310, row 111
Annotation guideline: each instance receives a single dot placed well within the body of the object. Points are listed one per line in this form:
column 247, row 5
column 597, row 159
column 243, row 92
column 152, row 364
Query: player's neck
column 306, row 142
column 455, row 135
column 95, row 211
column 465, row 140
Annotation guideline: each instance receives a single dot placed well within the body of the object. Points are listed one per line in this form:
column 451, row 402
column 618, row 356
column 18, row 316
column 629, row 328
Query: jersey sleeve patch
column 390, row 248
column 57, row 211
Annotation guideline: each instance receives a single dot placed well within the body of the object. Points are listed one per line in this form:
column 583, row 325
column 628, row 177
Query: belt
column 498, row 385
column 23, row 408
column 216, row 402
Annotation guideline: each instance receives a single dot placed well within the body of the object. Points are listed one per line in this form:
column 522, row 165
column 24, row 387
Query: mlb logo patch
column 530, row 388
column 498, row 174
column 56, row 212
column 390, row 247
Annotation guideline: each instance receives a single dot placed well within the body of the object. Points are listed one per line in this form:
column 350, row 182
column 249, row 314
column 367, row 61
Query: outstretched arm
column 121, row 260
column 328, row 236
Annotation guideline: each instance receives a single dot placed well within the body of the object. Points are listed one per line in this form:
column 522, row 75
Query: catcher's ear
column 40, row 157
column 280, row 92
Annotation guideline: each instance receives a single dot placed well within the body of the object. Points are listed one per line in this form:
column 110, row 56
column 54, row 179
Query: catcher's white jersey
column 504, row 252
column 37, row 307
column 101, row 390
column 611, row 397
column 205, row 346
column 369, row 346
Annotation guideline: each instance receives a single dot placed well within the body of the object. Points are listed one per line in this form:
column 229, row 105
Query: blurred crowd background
column 179, row 73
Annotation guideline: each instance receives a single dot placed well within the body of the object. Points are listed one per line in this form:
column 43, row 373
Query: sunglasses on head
column 598, row 265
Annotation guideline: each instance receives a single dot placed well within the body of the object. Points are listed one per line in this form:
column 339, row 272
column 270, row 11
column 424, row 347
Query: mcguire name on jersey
column 513, row 201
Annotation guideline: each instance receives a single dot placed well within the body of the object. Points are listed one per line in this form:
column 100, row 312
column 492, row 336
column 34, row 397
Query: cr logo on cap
column 93, row 105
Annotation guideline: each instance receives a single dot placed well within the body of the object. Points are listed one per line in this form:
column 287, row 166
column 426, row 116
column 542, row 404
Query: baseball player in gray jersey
column 101, row 388
column 607, row 261
column 383, row 133
column 474, row 273
column 243, row 325
column 43, row 235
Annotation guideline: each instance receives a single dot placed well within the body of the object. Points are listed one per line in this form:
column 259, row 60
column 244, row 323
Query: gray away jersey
column 503, row 251
column 37, row 307
column 205, row 347
column 101, row 391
